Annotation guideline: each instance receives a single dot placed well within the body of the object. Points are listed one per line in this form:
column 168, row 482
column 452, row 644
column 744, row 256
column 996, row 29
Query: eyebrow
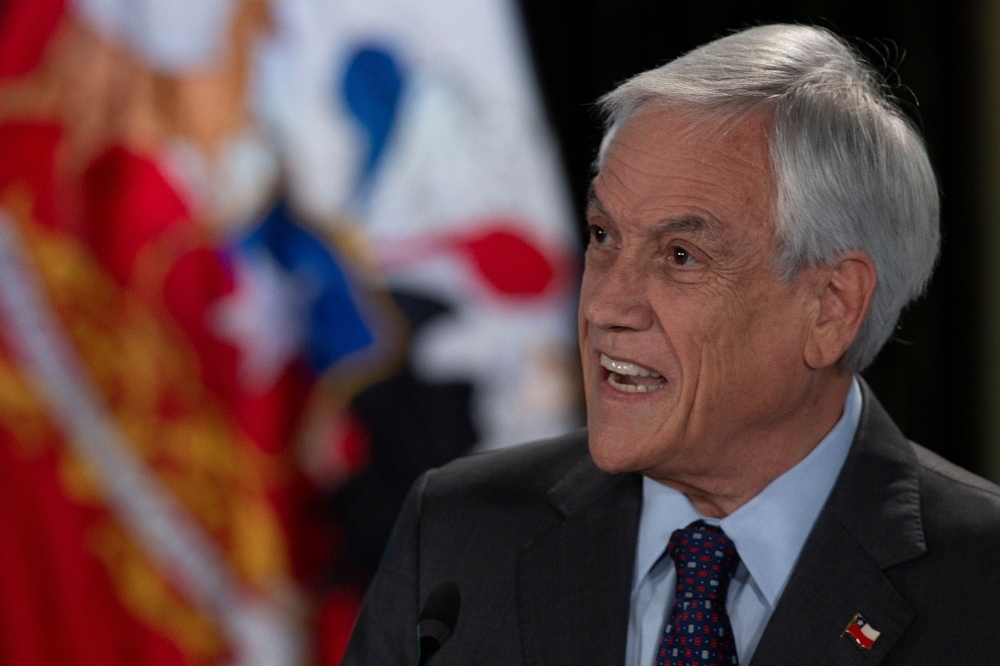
column 690, row 223
column 593, row 200
column 693, row 223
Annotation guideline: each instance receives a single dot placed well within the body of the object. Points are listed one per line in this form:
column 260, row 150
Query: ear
column 844, row 291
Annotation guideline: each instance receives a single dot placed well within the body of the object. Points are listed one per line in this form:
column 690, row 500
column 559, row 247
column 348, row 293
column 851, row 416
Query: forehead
column 665, row 164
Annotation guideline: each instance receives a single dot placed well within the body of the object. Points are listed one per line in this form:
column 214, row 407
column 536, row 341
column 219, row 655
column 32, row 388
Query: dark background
column 927, row 376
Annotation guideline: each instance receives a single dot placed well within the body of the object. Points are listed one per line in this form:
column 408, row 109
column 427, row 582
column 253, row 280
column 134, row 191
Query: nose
column 614, row 298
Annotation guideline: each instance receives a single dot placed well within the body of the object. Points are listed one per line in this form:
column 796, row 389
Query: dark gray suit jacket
column 542, row 545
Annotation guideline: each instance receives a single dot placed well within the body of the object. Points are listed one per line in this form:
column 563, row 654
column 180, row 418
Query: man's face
column 702, row 343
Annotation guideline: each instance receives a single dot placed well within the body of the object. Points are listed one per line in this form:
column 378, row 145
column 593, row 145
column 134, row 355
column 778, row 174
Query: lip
column 619, row 357
column 606, row 391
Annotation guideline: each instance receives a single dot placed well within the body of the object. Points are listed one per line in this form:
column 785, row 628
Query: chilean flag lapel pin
column 863, row 633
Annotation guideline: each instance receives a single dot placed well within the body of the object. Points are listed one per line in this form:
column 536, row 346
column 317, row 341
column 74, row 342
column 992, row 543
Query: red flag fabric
column 131, row 278
column 79, row 585
column 26, row 26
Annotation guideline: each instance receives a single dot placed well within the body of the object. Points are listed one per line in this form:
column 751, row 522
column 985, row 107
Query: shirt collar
column 769, row 530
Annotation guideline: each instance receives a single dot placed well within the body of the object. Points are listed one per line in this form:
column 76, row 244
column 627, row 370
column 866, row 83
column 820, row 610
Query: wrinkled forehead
column 670, row 162
column 694, row 123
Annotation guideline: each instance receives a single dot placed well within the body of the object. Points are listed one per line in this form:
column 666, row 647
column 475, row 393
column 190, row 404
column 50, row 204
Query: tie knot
column 706, row 560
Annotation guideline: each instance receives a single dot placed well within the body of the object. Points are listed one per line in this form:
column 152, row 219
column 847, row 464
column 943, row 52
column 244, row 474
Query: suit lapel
column 574, row 580
column 870, row 522
column 834, row 579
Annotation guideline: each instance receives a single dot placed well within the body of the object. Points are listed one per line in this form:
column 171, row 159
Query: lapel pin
column 863, row 633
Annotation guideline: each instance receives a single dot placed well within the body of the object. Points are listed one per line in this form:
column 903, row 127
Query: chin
column 611, row 456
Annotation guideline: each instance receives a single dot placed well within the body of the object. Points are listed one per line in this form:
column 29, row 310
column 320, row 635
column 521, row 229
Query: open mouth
column 631, row 378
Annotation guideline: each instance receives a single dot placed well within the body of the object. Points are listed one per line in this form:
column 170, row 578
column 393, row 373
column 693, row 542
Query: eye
column 681, row 257
column 598, row 235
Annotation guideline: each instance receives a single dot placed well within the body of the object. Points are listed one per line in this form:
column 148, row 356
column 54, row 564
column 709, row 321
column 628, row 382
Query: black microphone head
column 443, row 604
column 437, row 620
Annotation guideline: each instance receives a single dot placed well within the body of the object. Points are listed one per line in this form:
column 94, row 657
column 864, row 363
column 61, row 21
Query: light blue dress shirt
column 768, row 532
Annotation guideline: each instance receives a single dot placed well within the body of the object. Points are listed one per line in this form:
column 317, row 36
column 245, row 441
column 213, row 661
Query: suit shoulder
column 956, row 500
column 530, row 467
column 937, row 469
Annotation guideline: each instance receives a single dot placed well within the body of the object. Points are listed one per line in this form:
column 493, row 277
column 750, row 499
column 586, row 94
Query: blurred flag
column 421, row 124
column 218, row 221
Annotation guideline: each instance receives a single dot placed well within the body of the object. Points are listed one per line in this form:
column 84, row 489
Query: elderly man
column 761, row 214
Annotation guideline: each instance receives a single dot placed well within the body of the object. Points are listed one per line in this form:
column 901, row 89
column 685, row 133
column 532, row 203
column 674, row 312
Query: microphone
column 437, row 620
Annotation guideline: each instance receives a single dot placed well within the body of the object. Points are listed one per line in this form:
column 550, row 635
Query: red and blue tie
column 698, row 632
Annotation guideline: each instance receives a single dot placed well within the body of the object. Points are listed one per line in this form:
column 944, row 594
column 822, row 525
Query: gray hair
column 851, row 171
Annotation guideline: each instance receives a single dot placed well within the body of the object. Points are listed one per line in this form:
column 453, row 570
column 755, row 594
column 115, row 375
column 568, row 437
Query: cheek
column 697, row 322
column 764, row 338
column 726, row 338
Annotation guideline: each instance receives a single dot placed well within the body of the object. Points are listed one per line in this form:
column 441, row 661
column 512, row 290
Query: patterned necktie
column 698, row 632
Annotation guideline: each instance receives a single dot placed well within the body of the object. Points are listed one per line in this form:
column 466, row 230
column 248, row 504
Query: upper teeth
column 626, row 368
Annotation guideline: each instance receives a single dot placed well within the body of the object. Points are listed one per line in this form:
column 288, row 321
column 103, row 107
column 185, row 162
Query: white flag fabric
column 420, row 123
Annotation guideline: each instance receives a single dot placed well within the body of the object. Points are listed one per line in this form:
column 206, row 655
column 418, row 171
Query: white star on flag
column 266, row 317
